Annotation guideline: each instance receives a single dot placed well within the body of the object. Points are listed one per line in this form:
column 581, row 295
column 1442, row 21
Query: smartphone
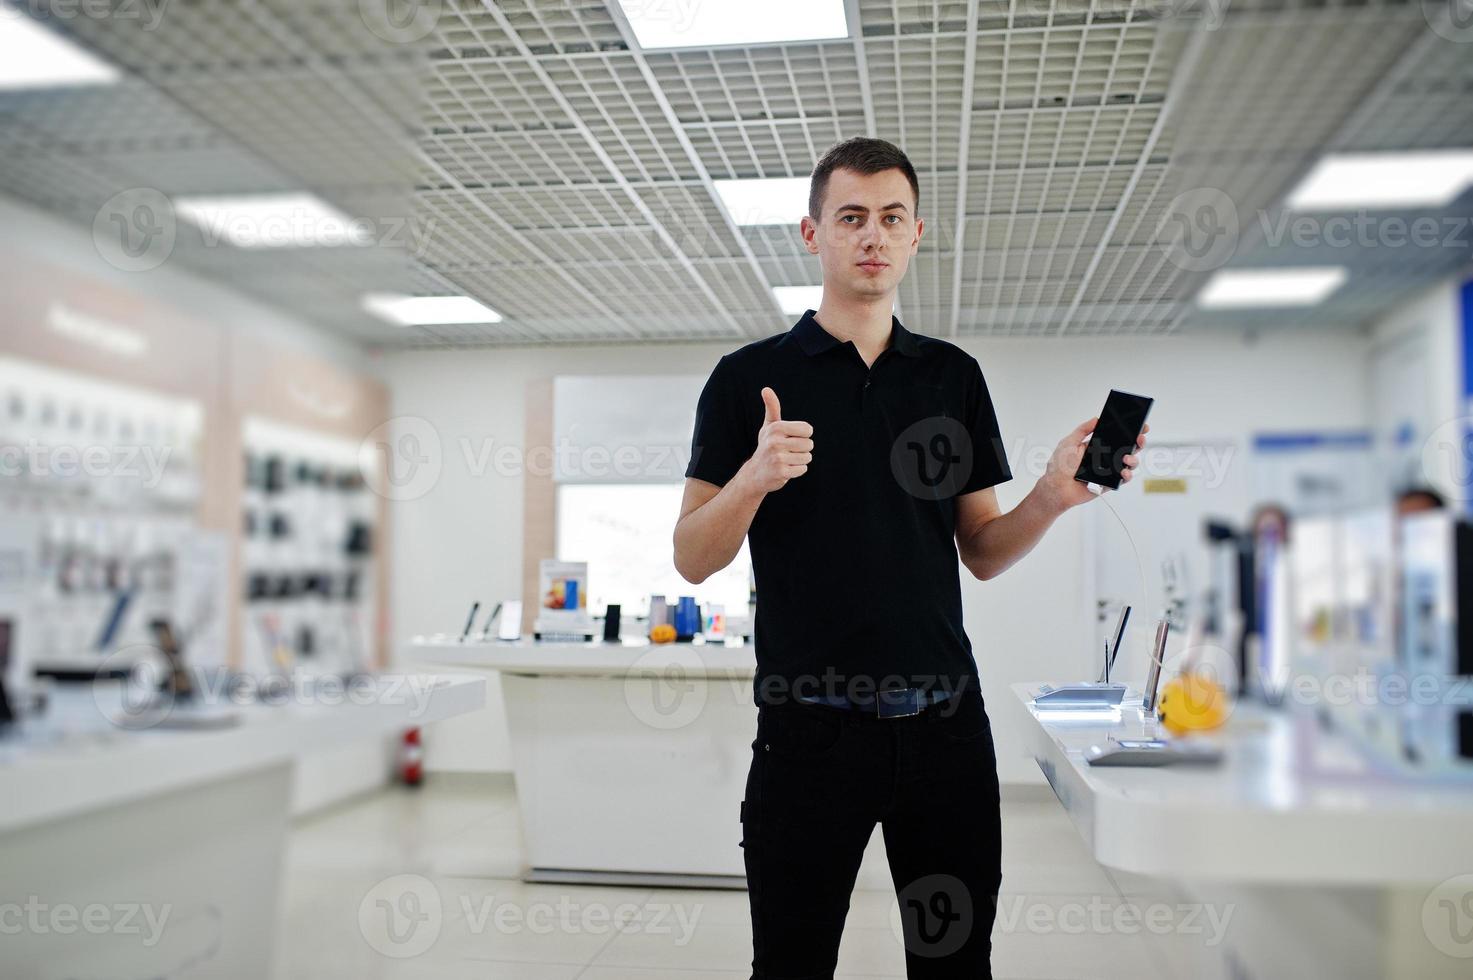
column 7, row 715
column 1121, row 421
column 1158, row 660
column 179, row 681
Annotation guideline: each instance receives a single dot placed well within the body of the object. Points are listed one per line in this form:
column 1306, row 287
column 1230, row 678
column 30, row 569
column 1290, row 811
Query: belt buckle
column 912, row 702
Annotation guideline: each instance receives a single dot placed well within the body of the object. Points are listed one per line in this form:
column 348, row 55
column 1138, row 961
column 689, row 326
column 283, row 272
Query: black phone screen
column 1121, row 421
column 7, row 715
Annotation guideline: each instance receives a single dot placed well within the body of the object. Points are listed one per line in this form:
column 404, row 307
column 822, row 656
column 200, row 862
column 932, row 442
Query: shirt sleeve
column 989, row 456
column 723, row 439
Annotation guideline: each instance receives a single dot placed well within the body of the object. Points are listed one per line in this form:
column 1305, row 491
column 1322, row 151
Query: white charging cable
column 1140, row 568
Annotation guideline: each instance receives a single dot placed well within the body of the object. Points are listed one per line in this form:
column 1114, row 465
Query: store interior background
column 530, row 156
column 462, row 539
column 1376, row 357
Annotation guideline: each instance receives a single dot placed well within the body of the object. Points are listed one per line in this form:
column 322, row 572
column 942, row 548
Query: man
column 860, row 461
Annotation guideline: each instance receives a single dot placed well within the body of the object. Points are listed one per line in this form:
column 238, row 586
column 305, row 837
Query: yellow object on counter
column 1193, row 703
column 664, row 633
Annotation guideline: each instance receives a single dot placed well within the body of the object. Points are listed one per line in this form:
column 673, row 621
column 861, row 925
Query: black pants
column 820, row 779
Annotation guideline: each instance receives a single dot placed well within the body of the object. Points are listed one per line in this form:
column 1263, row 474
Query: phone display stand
column 1077, row 696
column 1099, row 694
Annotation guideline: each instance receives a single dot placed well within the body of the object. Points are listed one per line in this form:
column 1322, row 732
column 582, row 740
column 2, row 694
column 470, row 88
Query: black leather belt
column 902, row 703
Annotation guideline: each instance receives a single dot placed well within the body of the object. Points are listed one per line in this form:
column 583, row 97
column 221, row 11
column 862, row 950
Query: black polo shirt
column 855, row 561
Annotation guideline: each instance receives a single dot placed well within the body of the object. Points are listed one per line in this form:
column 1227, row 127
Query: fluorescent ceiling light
column 765, row 200
column 34, row 56
column 1421, row 179
column 798, row 299
column 1238, row 288
column 711, row 23
column 407, row 311
column 273, row 221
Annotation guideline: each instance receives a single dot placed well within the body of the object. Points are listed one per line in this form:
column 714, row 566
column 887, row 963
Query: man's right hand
column 784, row 449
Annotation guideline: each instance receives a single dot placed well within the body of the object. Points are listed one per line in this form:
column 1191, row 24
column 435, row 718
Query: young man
column 859, row 459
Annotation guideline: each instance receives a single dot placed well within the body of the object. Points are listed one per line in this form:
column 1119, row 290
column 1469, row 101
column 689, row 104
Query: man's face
column 866, row 234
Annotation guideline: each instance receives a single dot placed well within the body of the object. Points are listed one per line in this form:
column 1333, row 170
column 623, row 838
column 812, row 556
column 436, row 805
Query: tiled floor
column 460, row 912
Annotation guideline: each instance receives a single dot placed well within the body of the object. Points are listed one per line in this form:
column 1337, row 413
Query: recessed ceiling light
column 1421, row 179
column 273, row 221
column 408, row 311
column 34, row 56
column 1239, row 288
column 708, row 24
column 798, row 299
column 765, row 200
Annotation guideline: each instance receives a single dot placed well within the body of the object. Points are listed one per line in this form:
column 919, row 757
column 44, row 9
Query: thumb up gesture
column 784, row 449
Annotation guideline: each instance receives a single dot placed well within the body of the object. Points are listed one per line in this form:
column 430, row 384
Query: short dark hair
column 862, row 154
column 1423, row 493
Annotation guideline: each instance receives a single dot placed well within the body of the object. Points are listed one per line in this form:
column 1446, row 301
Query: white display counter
column 1351, row 875
column 630, row 758
column 158, row 852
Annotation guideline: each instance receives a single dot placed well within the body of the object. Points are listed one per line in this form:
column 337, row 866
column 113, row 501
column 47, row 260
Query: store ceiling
column 531, row 155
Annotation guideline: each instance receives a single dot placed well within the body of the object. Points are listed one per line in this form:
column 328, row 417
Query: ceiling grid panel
column 598, row 150
column 1078, row 172
column 548, row 166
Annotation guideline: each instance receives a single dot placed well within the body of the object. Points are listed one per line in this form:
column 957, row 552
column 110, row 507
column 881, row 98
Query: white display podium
column 158, row 852
column 1346, row 876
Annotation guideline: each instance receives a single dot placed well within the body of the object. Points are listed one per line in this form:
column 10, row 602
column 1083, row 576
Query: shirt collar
column 814, row 339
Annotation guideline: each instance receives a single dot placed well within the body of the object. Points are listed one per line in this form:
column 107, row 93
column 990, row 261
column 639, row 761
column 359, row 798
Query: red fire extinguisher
column 411, row 759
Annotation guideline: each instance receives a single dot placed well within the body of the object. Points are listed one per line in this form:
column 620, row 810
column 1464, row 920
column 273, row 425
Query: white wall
column 1415, row 373
column 462, row 540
